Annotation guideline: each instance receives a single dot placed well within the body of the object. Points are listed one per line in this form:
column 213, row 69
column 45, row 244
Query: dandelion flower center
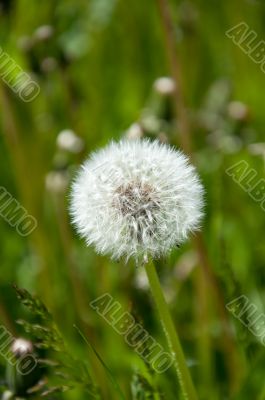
column 137, row 203
column 135, row 200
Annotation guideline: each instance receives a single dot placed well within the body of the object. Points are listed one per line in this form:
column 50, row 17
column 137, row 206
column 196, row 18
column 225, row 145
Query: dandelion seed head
column 136, row 199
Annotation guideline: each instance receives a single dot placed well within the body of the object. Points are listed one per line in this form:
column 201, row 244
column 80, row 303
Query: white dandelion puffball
column 136, row 199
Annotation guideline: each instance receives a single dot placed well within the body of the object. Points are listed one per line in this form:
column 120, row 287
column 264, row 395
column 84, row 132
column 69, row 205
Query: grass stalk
column 181, row 367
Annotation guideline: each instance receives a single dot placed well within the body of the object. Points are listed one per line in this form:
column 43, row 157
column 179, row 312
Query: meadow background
column 96, row 62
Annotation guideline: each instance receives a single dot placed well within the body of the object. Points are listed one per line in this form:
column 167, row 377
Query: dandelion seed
column 136, row 199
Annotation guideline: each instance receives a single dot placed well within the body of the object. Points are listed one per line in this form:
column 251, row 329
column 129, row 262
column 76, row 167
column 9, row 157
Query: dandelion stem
column 183, row 373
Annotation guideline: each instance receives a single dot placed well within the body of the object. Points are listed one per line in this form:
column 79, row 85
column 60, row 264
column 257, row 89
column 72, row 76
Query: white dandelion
column 136, row 199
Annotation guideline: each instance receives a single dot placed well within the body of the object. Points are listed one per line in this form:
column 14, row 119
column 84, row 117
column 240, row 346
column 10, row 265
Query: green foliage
column 142, row 389
column 45, row 335
column 96, row 66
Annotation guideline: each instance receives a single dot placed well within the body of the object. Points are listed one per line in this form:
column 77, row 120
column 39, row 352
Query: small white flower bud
column 21, row 347
column 150, row 123
column 8, row 395
column 48, row 64
column 44, row 32
column 165, row 86
column 257, row 149
column 134, row 132
column 69, row 141
column 57, row 181
column 238, row 111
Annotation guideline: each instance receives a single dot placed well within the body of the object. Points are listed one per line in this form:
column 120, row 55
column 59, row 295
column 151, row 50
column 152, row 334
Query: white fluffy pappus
column 136, row 199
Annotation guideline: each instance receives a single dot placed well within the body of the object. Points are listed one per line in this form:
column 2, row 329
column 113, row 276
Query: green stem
column 183, row 374
column 262, row 395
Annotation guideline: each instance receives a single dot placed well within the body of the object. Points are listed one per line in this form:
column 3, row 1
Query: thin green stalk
column 262, row 394
column 204, row 343
column 182, row 370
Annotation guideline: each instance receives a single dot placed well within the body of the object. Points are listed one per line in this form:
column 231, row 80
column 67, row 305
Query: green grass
column 105, row 56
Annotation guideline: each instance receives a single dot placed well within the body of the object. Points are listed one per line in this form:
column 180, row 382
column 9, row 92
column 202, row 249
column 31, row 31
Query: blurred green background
column 97, row 63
